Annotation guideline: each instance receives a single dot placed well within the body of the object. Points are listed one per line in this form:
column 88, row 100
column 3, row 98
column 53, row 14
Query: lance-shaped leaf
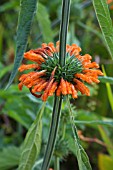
column 106, row 79
column 9, row 157
column 83, row 160
column 103, row 16
column 107, row 140
column 95, row 122
column 44, row 23
column 24, row 24
column 109, row 90
column 32, row 143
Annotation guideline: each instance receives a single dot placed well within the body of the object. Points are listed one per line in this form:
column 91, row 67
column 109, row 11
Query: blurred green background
column 18, row 109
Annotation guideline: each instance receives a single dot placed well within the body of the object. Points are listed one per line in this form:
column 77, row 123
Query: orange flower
column 110, row 2
column 48, row 77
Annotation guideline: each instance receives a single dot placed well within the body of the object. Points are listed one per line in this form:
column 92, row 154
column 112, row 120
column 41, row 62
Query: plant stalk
column 57, row 163
column 52, row 133
column 58, row 100
column 63, row 31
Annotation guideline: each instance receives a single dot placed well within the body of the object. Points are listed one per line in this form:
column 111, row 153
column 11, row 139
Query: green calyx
column 72, row 66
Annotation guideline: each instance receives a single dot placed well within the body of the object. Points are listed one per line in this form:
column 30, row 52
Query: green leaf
column 9, row 157
column 5, row 70
column 105, row 22
column 95, row 122
column 83, row 160
column 32, row 143
column 109, row 90
column 107, row 140
column 18, row 118
column 1, row 40
column 105, row 162
column 105, row 79
column 37, row 164
column 24, row 24
column 9, row 5
column 45, row 23
column 91, row 119
column 89, row 28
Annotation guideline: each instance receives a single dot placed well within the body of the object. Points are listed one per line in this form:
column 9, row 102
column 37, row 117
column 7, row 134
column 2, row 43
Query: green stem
column 57, row 163
column 63, row 30
column 52, row 133
column 74, row 129
column 58, row 100
column 72, row 32
column 63, row 131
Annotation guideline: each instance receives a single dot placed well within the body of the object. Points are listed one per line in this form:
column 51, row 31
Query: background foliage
column 19, row 109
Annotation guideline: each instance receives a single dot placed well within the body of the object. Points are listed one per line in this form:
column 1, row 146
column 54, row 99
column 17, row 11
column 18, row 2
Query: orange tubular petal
column 53, row 88
column 68, row 48
column 24, row 76
column 48, row 51
column 27, row 81
column 89, row 79
column 38, row 74
column 84, row 77
column 91, row 65
column 27, row 67
column 20, row 85
column 74, row 92
column 48, row 87
column 81, row 87
column 42, row 53
column 63, row 86
column 57, row 46
column 34, row 82
column 86, row 57
column 44, row 45
column 109, row 1
column 53, row 73
column 77, row 47
column 58, row 91
column 42, row 86
column 30, row 55
column 68, row 86
column 51, row 45
column 38, row 85
column 75, row 50
column 94, row 79
column 93, row 72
